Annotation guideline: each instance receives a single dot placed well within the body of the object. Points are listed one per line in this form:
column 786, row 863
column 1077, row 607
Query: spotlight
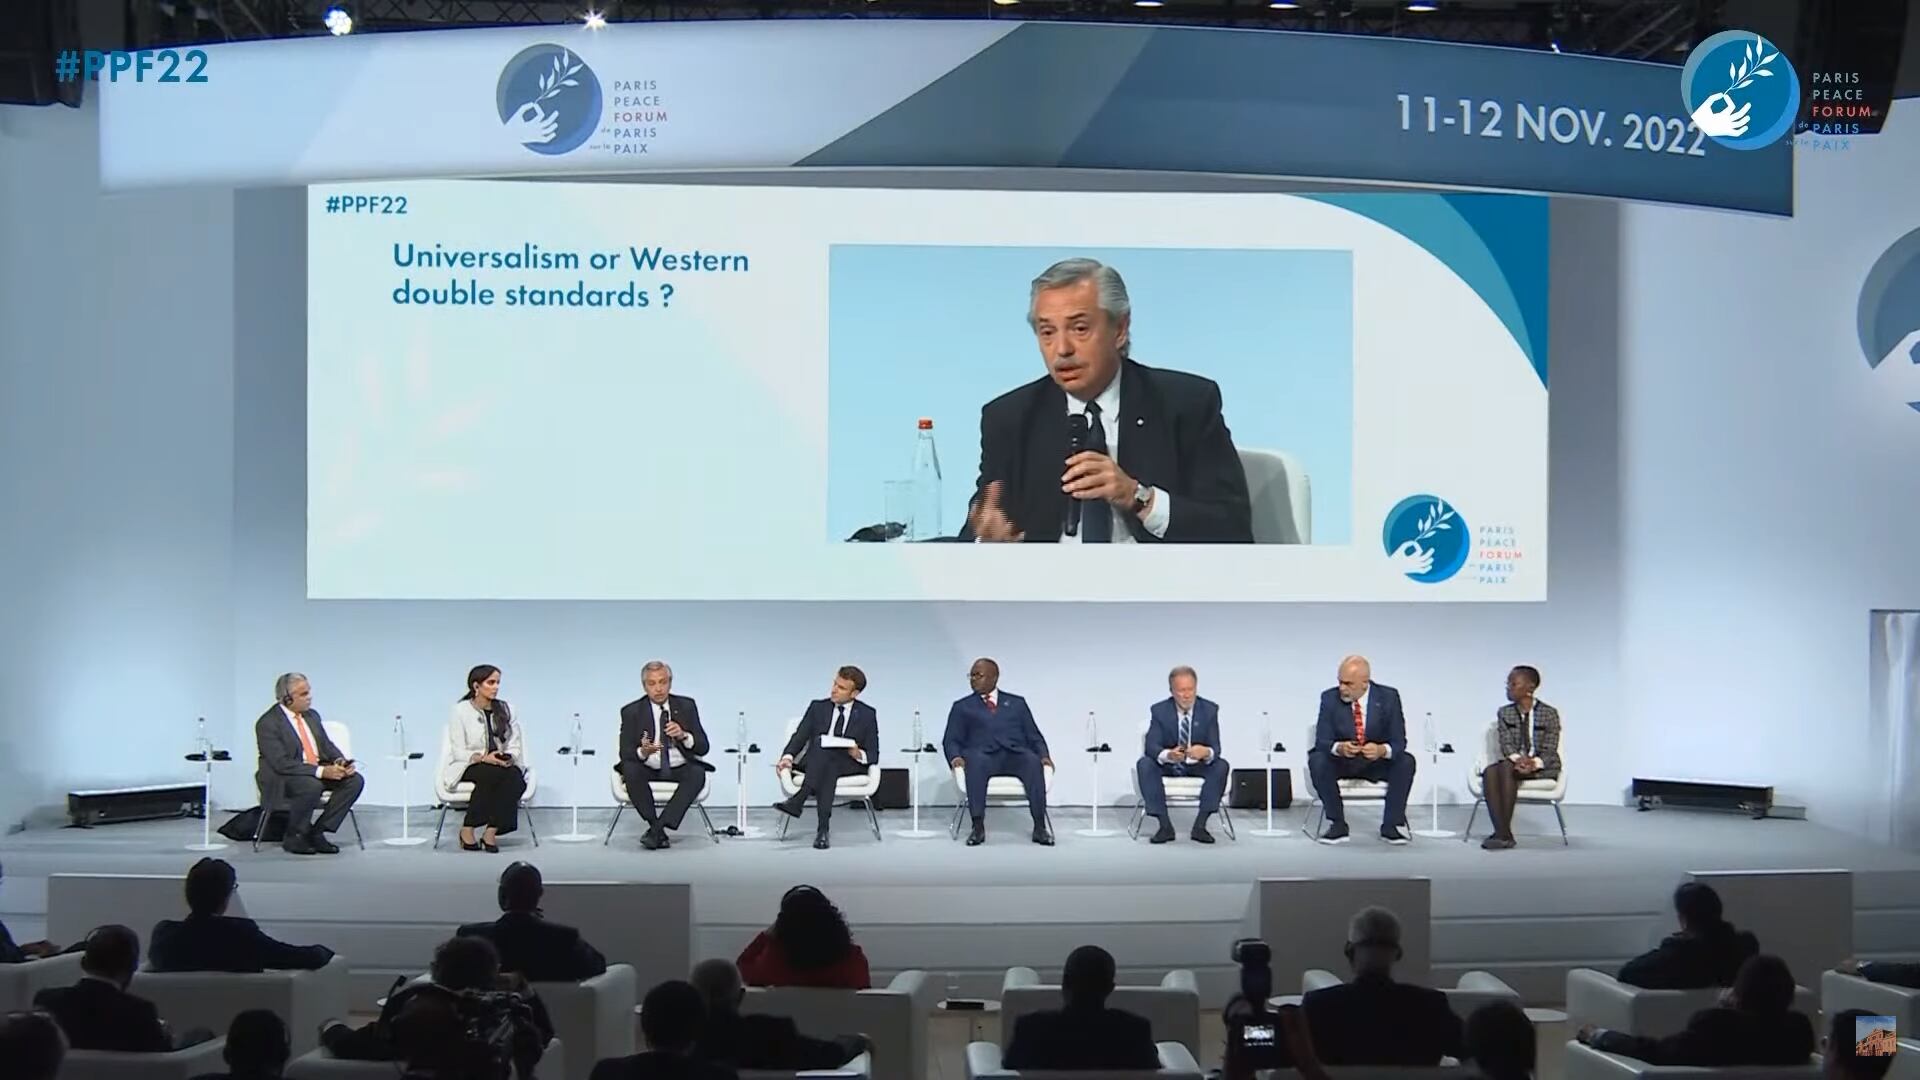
column 593, row 20
column 1283, row 5
column 1422, row 5
column 1554, row 44
column 1149, row 3
column 337, row 21
column 1006, row 3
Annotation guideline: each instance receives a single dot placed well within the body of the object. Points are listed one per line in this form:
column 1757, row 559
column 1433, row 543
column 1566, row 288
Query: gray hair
column 719, row 984
column 1179, row 671
column 283, row 686
column 1112, row 290
column 652, row 666
column 1375, row 926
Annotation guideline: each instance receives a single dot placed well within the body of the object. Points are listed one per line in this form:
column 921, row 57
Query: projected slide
column 609, row 391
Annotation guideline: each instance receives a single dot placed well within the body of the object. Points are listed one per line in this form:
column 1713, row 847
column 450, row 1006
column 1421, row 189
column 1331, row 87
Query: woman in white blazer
column 485, row 747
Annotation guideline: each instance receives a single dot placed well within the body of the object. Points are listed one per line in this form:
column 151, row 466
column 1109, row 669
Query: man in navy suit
column 1183, row 739
column 839, row 715
column 1362, row 733
column 991, row 733
column 209, row 939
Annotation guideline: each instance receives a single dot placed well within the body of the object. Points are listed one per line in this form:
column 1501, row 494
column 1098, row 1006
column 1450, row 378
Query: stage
column 1527, row 915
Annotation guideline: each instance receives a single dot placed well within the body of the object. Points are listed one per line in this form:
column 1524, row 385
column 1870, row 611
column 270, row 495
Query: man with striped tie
column 839, row 736
column 1361, row 734
column 1183, row 739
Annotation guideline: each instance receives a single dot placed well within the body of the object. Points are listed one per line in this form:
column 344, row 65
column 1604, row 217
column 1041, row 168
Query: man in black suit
column 671, row 1018
column 839, row 715
column 755, row 1041
column 1085, row 1034
column 1142, row 454
column 298, row 760
column 97, row 1013
column 1708, row 950
column 1374, row 1020
column 661, row 739
column 1754, row 1025
column 529, row 945
column 1361, row 733
column 209, row 939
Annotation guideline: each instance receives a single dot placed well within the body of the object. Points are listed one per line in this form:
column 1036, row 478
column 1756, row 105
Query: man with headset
column 1372, row 1019
column 295, row 751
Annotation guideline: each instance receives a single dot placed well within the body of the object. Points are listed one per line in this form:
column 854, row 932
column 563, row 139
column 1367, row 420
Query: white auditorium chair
column 983, row 1063
column 19, row 982
column 1551, row 792
column 1906, row 1061
column 458, row 795
column 1281, row 496
column 275, row 799
column 859, row 1068
column 895, row 1018
column 320, row 1065
column 662, row 792
column 1357, row 789
column 1001, row 791
column 1839, row 992
column 1181, row 791
column 1171, row 1008
column 1449, row 1069
column 1475, row 988
column 211, row 999
column 198, row 1060
column 1597, row 998
column 594, row 1016
column 859, row 787
column 1583, row 1062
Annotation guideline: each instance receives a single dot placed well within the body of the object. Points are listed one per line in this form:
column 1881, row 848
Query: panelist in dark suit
column 295, row 751
column 1362, row 733
column 661, row 739
column 1756, row 1025
column 1374, row 1020
column 1156, row 464
column 529, row 945
column 1085, row 1034
column 840, row 715
column 209, row 939
column 97, row 1013
column 990, row 733
column 1183, row 739
column 1529, row 750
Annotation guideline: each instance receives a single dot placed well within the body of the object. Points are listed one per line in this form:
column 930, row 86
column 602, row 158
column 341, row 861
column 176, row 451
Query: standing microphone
column 1076, row 442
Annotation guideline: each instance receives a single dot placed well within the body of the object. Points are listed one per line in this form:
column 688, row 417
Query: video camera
column 466, row 1035
column 1253, row 1030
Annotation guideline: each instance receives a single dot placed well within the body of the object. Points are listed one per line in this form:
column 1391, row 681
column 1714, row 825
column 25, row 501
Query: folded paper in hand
column 835, row 742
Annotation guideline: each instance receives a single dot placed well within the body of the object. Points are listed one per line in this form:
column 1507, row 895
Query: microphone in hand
column 1076, row 442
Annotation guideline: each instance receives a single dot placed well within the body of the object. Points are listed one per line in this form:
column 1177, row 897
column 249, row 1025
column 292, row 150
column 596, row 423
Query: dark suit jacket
column 1385, row 722
column 1173, row 438
column 753, row 1041
column 97, row 1015
column 974, row 728
column 226, row 943
column 280, row 753
column 655, row 1066
column 1691, row 961
column 1082, row 1039
column 1163, row 727
column 1891, row 972
column 636, row 719
column 1722, row 1037
column 1515, row 738
column 1377, row 1021
column 10, row 951
column 863, row 727
column 538, row 950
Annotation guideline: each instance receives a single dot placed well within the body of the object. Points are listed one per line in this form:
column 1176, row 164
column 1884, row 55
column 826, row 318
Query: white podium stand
column 920, row 747
column 207, row 755
column 1434, row 749
column 1266, row 789
column 406, row 837
column 1095, row 748
column 575, row 751
column 741, row 751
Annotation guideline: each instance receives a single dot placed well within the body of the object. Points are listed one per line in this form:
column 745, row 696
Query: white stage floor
column 1527, row 914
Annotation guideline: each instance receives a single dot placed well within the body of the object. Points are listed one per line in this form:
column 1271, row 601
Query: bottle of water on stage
column 926, row 486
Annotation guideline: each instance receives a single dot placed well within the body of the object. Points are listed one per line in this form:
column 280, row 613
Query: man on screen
column 1155, row 462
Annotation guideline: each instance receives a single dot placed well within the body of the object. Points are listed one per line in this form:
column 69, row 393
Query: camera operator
column 1253, row 1037
column 499, row 1019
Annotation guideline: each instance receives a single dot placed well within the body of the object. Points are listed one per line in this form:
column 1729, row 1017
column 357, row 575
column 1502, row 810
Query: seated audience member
column 1500, row 1042
column 461, row 965
column 529, row 945
column 1755, row 1025
column 97, row 1013
column 754, row 1041
column 1891, row 972
column 257, row 1047
column 808, row 945
column 11, row 953
column 1707, row 951
column 209, row 939
column 1084, row 1033
column 1839, row 1061
column 671, row 1018
column 1374, row 1020
column 32, row 1045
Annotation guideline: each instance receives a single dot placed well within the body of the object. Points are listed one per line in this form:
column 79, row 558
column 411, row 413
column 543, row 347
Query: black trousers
column 303, row 797
column 984, row 765
column 1397, row 771
column 495, row 802
column 825, row 767
column 690, row 778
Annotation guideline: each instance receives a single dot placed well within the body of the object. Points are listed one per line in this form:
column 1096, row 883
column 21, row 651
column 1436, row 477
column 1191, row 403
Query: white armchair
column 1454, row 1071
column 198, row 1060
column 1001, row 791
column 458, row 795
column 1583, row 1062
column 1171, row 1008
column 1356, row 789
column 858, row 1069
column 1551, row 792
column 983, row 1063
column 320, row 1065
column 862, row 787
column 19, row 982
column 1281, row 496
column 1839, row 992
column 1181, row 791
column 211, row 999
column 894, row 1018
column 662, row 791
column 1474, row 989
column 1597, row 998
column 273, row 797
column 594, row 1016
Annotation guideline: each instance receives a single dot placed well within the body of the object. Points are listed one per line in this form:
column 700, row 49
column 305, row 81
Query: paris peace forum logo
column 1889, row 319
column 1426, row 538
column 1740, row 90
column 549, row 99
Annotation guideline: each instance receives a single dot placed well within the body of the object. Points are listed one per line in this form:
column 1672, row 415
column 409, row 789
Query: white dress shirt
column 1183, row 725
column 1533, row 733
column 1366, row 710
column 294, row 723
column 658, row 734
column 1161, row 515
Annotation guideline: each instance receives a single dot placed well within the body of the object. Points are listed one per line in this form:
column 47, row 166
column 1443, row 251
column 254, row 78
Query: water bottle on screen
column 926, row 486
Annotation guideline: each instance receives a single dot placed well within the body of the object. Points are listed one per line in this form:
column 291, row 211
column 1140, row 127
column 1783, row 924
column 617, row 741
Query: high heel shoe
column 491, row 849
column 465, row 846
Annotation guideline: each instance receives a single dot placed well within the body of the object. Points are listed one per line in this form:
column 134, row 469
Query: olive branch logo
column 1437, row 519
column 565, row 67
column 1741, row 75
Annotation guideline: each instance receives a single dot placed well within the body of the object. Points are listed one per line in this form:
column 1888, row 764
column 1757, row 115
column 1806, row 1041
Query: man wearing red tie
column 991, row 733
column 300, row 762
column 1362, row 734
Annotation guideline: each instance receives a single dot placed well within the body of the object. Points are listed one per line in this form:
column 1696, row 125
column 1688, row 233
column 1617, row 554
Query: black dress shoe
column 979, row 834
column 1201, row 835
column 653, row 840
column 297, row 845
column 787, row 808
column 1162, row 835
column 820, row 842
column 1042, row 836
column 321, row 844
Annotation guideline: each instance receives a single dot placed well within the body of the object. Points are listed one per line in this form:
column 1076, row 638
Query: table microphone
column 1076, row 442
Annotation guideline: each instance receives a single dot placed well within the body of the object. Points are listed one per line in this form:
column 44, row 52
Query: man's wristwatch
column 1142, row 495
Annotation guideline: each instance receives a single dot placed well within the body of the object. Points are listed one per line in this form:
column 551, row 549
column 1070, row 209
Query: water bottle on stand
column 205, row 755
column 927, row 491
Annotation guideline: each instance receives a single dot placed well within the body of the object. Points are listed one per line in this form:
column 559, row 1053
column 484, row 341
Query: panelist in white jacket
column 485, row 747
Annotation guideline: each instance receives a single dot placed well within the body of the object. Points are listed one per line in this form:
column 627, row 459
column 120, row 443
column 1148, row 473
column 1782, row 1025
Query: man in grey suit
column 298, row 758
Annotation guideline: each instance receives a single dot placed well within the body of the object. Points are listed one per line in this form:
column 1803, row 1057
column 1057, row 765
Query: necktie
column 660, row 721
column 1186, row 730
column 988, row 698
column 1360, row 724
column 309, row 753
column 1096, row 517
column 840, row 722
column 1526, row 733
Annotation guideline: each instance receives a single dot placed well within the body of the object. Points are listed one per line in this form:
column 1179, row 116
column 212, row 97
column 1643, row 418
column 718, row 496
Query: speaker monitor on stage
column 1243, row 790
